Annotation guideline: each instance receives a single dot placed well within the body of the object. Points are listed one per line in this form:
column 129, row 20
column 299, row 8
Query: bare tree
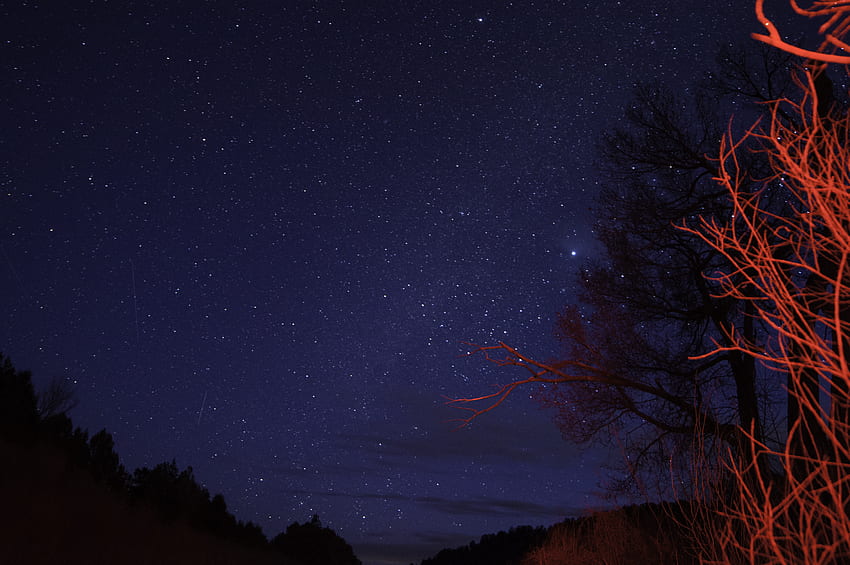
column 58, row 397
column 628, row 370
column 795, row 271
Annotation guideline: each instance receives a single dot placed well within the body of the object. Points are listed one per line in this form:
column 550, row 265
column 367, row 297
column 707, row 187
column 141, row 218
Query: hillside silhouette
column 67, row 499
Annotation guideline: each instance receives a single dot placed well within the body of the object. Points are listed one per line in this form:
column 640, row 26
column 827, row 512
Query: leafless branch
column 839, row 19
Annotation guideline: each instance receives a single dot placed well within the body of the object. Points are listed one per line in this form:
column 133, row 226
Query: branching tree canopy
column 632, row 367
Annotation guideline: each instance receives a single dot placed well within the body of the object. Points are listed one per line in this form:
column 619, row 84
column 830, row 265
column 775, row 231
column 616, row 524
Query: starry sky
column 256, row 234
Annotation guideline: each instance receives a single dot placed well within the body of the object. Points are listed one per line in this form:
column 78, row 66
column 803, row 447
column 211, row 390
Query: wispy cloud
column 481, row 505
column 424, row 430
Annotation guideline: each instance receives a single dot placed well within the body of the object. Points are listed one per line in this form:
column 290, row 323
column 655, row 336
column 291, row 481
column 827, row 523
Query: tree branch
column 838, row 12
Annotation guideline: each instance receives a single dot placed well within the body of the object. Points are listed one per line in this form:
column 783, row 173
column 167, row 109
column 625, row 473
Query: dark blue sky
column 255, row 235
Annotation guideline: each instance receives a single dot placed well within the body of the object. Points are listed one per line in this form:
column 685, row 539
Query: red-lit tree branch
column 790, row 504
column 797, row 264
column 838, row 14
column 560, row 372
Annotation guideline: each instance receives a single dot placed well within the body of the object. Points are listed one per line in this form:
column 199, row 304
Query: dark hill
column 66, row 499
column 55, row 512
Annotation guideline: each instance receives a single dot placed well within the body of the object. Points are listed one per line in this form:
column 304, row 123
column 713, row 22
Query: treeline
column 503, row 548
column 68, row 499
column 657, row 534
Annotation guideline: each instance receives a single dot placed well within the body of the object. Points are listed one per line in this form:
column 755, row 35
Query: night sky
column 256, row 234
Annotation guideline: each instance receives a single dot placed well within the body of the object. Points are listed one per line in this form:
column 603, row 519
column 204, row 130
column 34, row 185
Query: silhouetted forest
column 67, row 499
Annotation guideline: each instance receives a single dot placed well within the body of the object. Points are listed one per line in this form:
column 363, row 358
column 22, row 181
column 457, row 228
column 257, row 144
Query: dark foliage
column 175, row 494
column 503, row 548
column 313, row 544
column 104, row 463
column 18, row 413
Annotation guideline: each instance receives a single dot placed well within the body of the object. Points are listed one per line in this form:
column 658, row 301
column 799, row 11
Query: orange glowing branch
column 791, row 503
column 839, row 19
column 769, row 251
column 541, row 373
column 562, row 372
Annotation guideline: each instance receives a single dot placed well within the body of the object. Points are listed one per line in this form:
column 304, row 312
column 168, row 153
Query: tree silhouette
column 176, row 496
column 104, row 463
column 18, row 413
column 58, row 398
column 173, row 493
column 313, row 544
